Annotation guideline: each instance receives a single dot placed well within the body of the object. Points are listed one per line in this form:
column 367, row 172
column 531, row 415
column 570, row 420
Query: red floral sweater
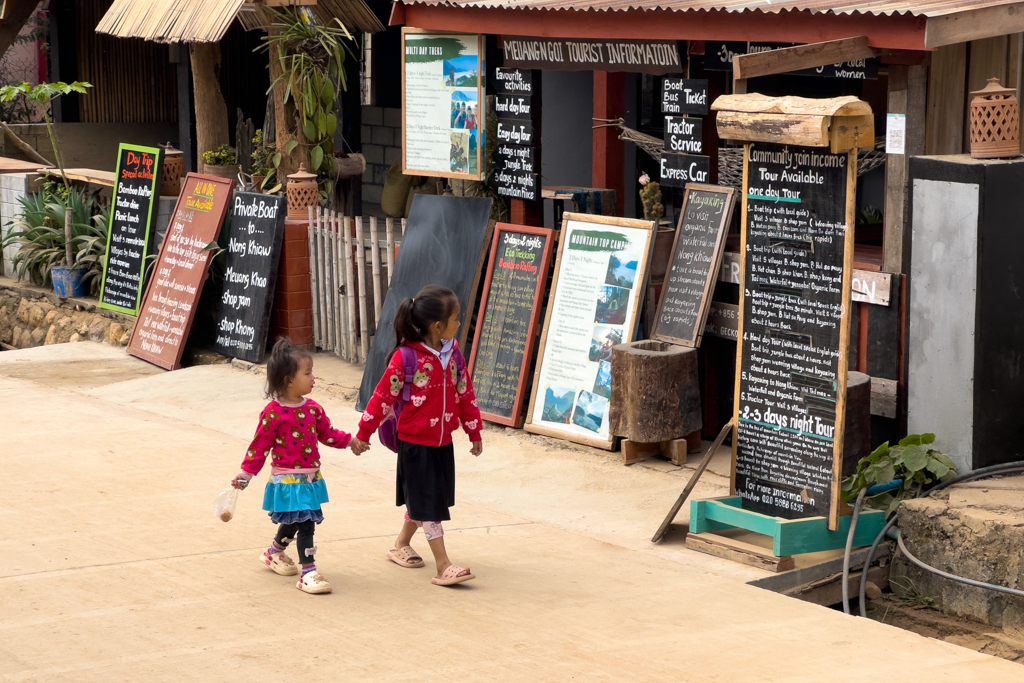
column 436, row 397
column 289, row 434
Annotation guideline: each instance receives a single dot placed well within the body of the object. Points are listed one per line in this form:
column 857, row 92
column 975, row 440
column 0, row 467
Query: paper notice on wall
column 895, row 133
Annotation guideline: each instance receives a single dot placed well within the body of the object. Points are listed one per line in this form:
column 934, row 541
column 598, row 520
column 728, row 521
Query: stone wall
column 30, row 316
column 381, row 144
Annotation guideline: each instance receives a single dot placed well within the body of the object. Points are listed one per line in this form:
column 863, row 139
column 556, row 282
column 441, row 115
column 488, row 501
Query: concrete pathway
column 117, row 569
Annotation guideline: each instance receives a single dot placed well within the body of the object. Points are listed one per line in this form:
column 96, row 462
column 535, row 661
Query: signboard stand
column 796, row 254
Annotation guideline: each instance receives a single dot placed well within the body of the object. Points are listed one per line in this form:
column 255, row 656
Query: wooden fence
column 350, row 269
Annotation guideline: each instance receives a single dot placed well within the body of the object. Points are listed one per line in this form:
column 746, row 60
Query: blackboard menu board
column 679, row 169
column 693, row 266
column 131, row 215
column 797, row 271
column 181, row 268
column 507, row 322
column 684, row 96
column 254, row 252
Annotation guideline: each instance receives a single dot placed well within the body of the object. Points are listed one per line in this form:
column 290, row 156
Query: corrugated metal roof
column 206, row 21
column 925, row 8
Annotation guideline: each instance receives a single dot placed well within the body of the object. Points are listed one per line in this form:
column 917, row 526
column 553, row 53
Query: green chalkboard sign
column 136, row 186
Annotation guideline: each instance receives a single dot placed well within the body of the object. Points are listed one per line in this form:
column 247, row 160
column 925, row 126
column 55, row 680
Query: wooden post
column 350, row 294
column 285, row 115
column 319, row 266
column 364, row 323
column 608, row 151
column 314, row 285
column 339, row 265
column 947, row 77
column 211, row 110
column 339, row 306
column 335, row 300
column 907, row 87
column 375, row 268
column 391, row 248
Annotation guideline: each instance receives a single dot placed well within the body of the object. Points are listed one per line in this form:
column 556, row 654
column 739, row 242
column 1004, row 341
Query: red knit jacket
column 438, row 401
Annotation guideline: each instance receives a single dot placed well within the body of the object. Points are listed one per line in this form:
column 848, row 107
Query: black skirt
column 426, row 481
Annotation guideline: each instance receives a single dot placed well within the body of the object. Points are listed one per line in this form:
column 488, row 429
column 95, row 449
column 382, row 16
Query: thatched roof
column 206, row 21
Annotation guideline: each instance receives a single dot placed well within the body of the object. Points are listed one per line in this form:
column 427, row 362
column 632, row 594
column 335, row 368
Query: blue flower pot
column 67, row 282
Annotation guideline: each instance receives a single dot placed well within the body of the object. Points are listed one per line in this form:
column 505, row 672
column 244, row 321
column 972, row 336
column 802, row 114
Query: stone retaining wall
column 30, row 316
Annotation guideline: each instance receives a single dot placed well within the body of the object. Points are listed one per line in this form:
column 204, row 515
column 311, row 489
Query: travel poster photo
column 594, row 308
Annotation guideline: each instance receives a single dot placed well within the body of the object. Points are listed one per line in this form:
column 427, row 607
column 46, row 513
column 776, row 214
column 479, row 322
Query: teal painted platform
column 789, row 536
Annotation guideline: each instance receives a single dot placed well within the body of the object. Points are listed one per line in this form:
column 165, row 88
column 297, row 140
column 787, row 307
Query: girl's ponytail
column 283, row 366
column 406, row 329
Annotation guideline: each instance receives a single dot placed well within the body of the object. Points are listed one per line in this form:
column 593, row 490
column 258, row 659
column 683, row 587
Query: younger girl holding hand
column 289, row 429
column 441, row 396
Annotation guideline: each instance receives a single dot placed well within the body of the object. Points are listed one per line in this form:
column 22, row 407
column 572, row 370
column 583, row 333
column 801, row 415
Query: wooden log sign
column 131, row 216
column 693, row 268
column 254, row 253
column 509, row 315
column 181, row 269
column 791, row 385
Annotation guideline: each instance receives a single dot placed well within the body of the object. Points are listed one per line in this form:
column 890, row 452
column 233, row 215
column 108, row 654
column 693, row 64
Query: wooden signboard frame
column 154, row 202
column 716, row 264
column 227, row 185
column 844, row 335
column 630, row 325
column 516, row 420
column 481, row 108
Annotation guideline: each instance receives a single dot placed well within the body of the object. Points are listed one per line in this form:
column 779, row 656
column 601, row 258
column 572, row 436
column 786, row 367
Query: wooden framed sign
column 507, row 322
column 136, row 187
column 600, row 277
column 443, row 104
column 254, row 253
column 181, row 268
column 693, row 267
column 794, row 329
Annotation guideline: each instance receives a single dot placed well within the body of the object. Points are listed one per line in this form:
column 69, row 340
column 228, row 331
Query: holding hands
column 358, row 447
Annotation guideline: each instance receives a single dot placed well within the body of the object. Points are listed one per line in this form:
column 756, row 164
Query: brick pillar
column 292, row 315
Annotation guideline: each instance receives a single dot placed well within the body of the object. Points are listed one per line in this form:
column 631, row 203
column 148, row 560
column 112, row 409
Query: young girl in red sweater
column 290, row 427
column 441, row 397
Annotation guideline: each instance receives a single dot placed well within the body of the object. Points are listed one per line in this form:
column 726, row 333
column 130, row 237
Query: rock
column 16, row 335
column 5, row 328
column 83, row 329
column 75, row 338
column 35, row 316
column 115, row 333
column 22, row 313
column 51, row 336
column 25, row 341
column 51, row 316
column 38, row 336
column 872, row 591
column 98, row 329
column 125, row 338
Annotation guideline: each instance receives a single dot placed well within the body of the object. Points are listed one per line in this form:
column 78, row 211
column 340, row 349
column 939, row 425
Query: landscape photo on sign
column 586, row 317
column 441, row 104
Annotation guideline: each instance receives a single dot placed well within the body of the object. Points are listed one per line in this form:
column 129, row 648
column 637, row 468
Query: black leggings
column 304, row 532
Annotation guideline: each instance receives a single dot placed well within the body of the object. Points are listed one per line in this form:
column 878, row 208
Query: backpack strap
column 460, row 360
column 409, row 368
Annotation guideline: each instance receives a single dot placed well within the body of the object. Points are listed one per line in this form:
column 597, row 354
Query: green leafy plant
column 312, row 61
column 261, row 162
column 222, row 156
column 910, row 461
column 40, row 235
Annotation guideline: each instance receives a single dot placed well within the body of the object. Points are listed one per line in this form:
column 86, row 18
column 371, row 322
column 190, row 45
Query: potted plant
column 40, row 233
column 221, row 162
column 66, row 276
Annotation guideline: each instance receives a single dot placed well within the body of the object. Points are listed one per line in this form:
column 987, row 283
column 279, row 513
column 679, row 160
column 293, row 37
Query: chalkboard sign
column 517, row 132
column 598, row 286
column 513, row 107
column 718, row 56
column 181, row 268
column 693, row 266
column 131, row 215
column 516, row 158
column 517, row 185
column 514, row 81
column 684, row 96
column 684, row 135
column 254, row 252
column 509, row 315
column 444, row 243
column 797, row 270
column 679, row 169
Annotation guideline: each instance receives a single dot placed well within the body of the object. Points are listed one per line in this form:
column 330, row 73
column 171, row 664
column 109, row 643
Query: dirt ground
column 118, row 569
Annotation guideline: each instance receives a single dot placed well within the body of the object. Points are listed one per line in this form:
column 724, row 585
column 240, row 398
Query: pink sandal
column 406, row 557
column 452, row 575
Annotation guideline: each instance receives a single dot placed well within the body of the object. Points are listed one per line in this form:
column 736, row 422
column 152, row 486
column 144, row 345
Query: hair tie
column 413, row 301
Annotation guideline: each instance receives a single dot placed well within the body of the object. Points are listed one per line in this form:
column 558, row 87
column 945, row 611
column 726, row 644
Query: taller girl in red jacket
column 441, row 396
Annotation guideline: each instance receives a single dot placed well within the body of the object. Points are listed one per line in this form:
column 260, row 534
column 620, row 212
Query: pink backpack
column 388, row 430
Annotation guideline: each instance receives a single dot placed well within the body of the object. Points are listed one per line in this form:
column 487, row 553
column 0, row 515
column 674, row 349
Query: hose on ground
column 954, row 577
column 1015, row 467
column 849, row 547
